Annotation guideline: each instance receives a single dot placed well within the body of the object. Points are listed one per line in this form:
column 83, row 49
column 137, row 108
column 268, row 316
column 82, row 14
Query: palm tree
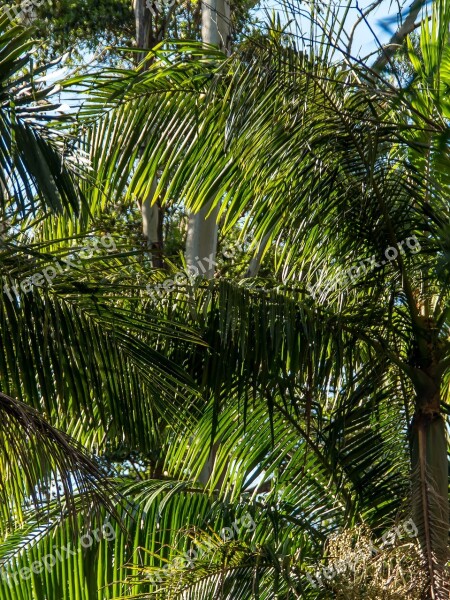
column 322, row 388
column 37, row 172
column 79, row 369
column 345, row 169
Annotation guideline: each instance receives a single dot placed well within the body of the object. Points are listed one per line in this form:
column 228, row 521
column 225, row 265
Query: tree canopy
column 278, row 430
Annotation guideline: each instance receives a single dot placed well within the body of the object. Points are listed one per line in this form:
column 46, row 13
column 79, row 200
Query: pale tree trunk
column 152, row 224
column 216, row 23
column 255, row 262
column 144, row 30
column 208, row 467
column 201, row 241
column 152, row 214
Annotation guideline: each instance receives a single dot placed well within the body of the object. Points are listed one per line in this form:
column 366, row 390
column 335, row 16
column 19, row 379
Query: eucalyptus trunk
column 144, row 26
column 201, row 241
column 152, row 227
column 152, row 212
column 255, row 262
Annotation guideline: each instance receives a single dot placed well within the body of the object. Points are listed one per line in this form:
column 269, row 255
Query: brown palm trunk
column 430, row 474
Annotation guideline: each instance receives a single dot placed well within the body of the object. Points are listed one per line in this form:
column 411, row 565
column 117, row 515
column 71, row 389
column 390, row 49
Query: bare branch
column 398, row 38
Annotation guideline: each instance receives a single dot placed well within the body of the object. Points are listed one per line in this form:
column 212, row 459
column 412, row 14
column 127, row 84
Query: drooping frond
column 38, row 165
column 39, row 463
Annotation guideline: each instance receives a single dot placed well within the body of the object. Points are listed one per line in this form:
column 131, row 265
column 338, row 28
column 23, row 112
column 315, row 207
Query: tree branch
column 388, row 50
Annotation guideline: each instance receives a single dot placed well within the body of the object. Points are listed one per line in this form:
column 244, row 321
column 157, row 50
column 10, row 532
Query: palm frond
column 38, row 166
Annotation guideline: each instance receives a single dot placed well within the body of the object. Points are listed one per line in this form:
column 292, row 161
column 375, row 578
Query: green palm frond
column 52, row 339
column 301, row 396
column 39, row 462
column 38, row 165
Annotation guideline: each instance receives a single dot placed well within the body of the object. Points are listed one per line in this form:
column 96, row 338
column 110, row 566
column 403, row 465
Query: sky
column 381, row 23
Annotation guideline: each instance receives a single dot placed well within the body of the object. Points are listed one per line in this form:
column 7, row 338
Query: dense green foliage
column 262, row 425
column 101, row 27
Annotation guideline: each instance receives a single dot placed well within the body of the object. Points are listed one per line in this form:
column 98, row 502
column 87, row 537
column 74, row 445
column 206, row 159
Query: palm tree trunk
column 430, row 479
